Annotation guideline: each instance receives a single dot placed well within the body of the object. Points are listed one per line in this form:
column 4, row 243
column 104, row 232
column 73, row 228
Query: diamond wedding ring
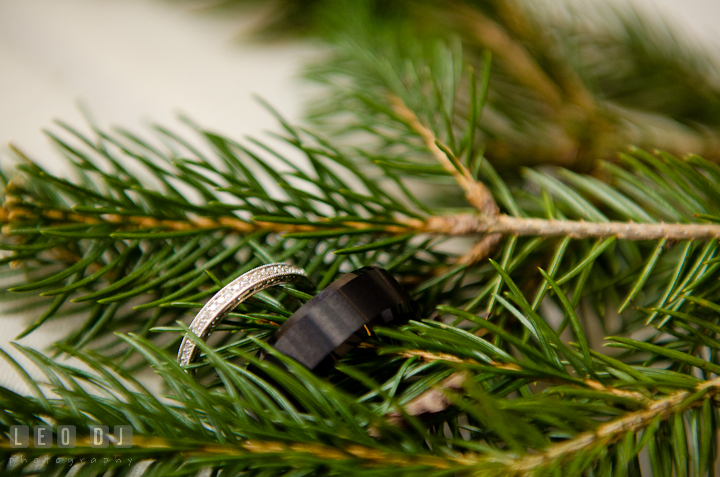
column 234, row 293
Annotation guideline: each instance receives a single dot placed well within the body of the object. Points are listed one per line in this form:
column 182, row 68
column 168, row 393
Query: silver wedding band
column 231, row 295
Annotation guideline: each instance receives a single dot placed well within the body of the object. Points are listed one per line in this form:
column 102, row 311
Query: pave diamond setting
column 231, row 295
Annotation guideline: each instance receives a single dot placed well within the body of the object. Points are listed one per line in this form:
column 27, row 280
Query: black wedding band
column 343, row 315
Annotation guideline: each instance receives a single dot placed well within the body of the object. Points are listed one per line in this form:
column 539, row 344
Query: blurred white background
column 131, row 62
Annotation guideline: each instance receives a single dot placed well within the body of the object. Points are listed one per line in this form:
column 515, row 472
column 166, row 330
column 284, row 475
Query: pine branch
column 476, row 193
column 60, row 229
column 183, row 453
column 493, row 224
column 515, row 58
column 592, row 384
column 553, row 100
column 469, row 224
column 159, row 449
column 503, row 373
column 606, row 434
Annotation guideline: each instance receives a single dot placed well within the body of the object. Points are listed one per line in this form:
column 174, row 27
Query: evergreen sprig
column 572, row 83
column 517, row 275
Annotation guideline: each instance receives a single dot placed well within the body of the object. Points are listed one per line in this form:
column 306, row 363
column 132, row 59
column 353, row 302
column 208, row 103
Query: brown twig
column 515, row 19
column 362, row 455
column 493, row 225
column 604, row 434
column 481, row 250
column 475, row 191
column 477, row 194
column 592, row 384
column 11, row 214
column 434, row 401
column 489, row 222
column 514, row 57
column 470, row 224
column 453, row 225
column 610, row 432
column 581, row 127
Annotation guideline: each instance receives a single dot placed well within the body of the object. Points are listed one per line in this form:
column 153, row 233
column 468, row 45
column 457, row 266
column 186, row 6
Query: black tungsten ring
column 343, row 315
